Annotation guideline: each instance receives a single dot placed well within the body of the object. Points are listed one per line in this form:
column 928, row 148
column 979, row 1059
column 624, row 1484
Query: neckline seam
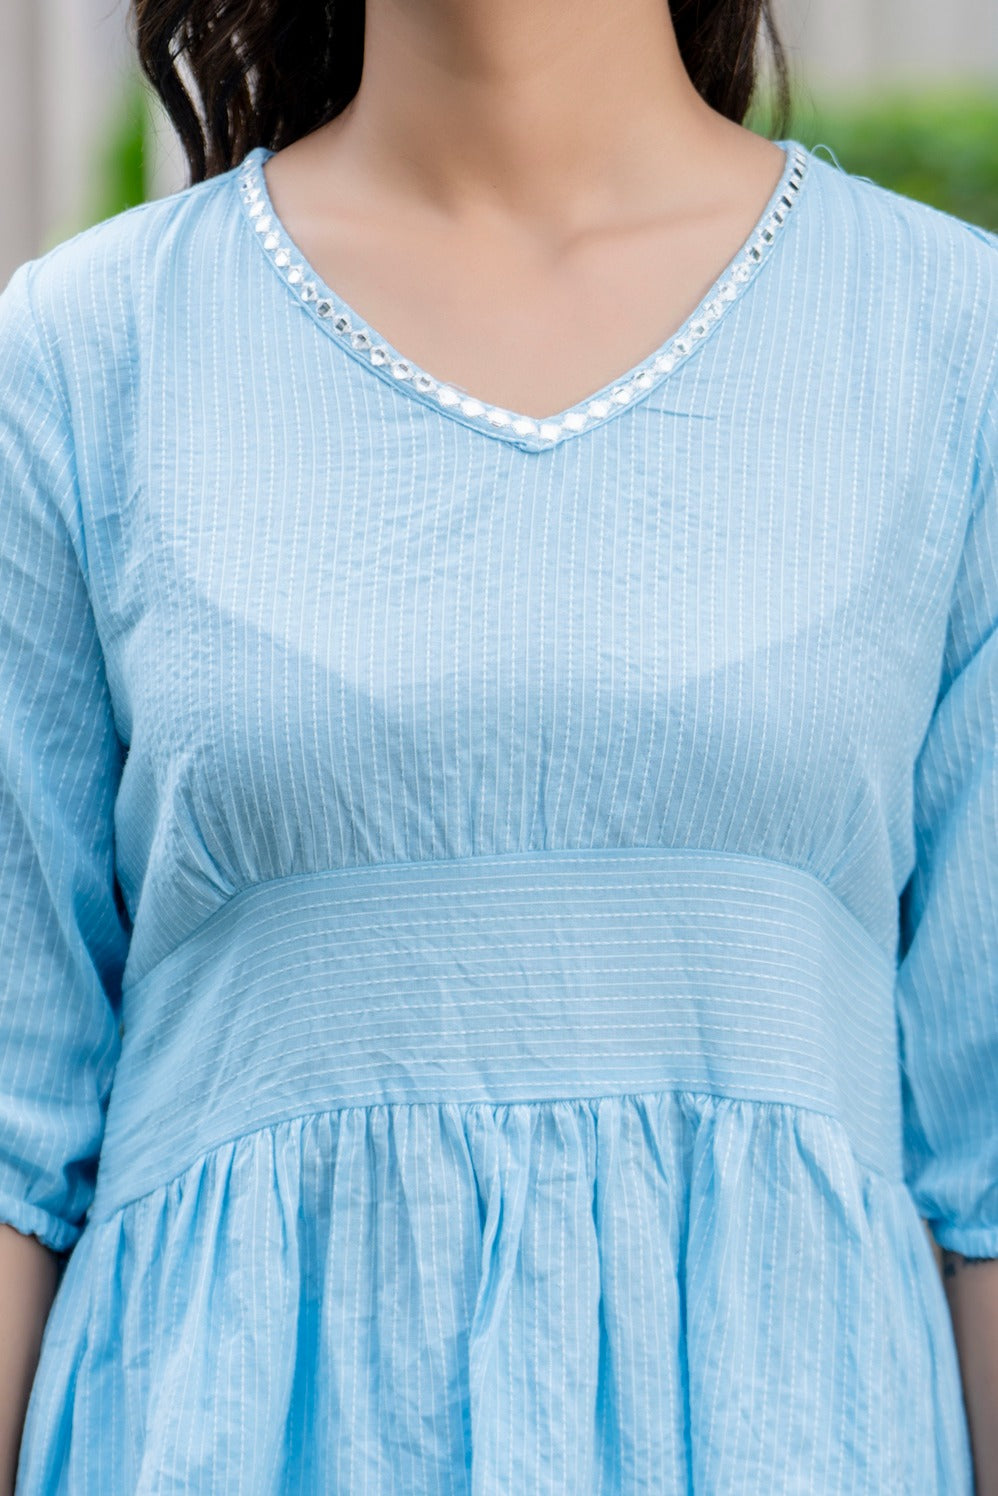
column 361, row 341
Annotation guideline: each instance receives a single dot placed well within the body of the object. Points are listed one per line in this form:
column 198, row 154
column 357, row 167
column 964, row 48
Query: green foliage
column 934, row 142
column 117, row 177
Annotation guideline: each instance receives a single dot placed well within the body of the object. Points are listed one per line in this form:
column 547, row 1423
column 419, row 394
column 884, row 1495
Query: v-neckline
column 357, row 337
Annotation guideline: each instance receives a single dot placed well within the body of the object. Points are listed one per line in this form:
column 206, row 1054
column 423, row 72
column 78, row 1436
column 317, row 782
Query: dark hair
column 266, row 72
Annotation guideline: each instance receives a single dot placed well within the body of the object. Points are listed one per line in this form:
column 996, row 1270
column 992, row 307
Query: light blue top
column 510, row 906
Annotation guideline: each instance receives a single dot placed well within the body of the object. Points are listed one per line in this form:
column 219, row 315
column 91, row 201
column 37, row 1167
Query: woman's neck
column 526, row 109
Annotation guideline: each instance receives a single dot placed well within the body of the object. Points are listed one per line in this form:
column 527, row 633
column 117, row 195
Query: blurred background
column 902, row 91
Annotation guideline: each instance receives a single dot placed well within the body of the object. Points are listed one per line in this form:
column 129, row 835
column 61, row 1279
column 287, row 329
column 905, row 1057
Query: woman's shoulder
column 878, row 206
column 918, row 285
column 90, row 286
column 924, row 250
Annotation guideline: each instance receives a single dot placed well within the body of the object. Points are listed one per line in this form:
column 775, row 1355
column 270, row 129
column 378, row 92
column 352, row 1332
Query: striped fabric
column 499, row 951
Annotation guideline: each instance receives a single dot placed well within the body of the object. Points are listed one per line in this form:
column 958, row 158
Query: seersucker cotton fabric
column 499, row 941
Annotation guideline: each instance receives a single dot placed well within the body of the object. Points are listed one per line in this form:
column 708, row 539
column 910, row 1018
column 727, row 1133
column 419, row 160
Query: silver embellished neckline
column 364, row 342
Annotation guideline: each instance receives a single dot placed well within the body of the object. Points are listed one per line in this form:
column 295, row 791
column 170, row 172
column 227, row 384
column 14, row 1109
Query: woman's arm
column 29, row 1275
column 63, row 936
column 971, row 1285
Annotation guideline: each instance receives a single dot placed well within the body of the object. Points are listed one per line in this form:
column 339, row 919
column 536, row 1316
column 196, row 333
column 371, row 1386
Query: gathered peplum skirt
column 511, row 1166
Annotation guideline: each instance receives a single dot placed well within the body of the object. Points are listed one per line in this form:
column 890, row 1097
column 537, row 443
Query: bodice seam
column 309, row 1113
column 580, row 854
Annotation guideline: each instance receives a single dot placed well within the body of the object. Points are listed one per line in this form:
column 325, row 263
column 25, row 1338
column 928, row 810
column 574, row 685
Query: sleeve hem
column 969, row 1241
column 31, row 1220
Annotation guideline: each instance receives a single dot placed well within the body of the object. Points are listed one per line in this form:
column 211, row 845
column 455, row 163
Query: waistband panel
column 515, row 977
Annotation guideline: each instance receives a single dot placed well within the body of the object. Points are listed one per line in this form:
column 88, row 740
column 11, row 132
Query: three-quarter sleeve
column 947, row 987
column 63, row 934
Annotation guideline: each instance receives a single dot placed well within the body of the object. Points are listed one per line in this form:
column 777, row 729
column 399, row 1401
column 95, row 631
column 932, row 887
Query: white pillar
column 917, row 38
column 855, row 42
column 20, row 163
column 61, row 66
column 827, row 40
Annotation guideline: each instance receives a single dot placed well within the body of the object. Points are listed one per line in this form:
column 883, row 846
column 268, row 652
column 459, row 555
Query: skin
column 28, row 1279
column 523, row 205
column 971, row 1285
